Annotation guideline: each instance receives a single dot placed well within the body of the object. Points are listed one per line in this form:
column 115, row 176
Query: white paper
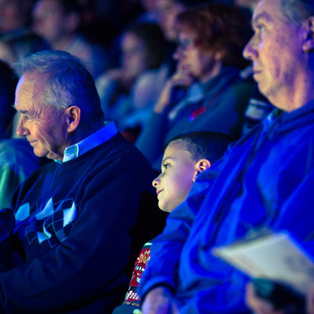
column 276, row 256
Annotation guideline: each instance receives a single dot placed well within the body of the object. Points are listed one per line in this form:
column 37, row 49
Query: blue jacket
column 264, row 180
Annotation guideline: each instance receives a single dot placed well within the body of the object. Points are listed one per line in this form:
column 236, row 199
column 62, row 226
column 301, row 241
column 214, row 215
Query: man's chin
column 261, row 88
column 41, row 154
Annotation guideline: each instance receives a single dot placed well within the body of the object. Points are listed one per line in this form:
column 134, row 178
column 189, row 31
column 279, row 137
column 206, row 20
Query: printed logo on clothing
column 51, row 225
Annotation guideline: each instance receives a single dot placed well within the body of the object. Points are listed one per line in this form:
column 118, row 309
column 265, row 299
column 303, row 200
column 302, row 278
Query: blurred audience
column 168, row 11
column 17, row 163
column 14, row 15
column 150, row 13
column 128, row 93
column 206, row 92
column 17, row 40
column 17, row 160
column 58, row 22
column 8, row 81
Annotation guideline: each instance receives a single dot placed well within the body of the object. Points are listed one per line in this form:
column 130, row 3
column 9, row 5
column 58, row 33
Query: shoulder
column 117, row 155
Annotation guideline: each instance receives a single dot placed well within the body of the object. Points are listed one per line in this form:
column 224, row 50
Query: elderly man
column 80, row 220
column 265, row 180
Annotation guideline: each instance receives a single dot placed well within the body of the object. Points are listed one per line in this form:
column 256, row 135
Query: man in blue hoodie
column 264, row 180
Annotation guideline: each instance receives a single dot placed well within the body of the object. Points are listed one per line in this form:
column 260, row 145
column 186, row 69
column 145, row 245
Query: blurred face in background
column 13, row 14
column 199, row 62
column 51, row 22
column 167, row 12
column 134, row 55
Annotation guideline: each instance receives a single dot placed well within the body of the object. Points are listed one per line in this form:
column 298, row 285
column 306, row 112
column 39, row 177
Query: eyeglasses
column 184, row 44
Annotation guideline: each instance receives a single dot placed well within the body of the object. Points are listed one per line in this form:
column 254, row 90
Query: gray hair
column 297, row 11
column 67, row 81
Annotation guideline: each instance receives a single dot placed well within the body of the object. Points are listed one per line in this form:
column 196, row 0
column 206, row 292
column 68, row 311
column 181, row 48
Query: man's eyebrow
column 261, row 16
column 20, row 111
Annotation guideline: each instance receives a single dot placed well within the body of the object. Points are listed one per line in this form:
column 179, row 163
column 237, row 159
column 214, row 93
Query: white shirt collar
column 92, row 141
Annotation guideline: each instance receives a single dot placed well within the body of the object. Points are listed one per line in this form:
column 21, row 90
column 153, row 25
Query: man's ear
column 308, row 45
column 201, row 165
column 73, row 118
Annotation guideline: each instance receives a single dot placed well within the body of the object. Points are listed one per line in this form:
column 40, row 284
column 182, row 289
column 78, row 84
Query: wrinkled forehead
column 269, row 11
column 31, row 86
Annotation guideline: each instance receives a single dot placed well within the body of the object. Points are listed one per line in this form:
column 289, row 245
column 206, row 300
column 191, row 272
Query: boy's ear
column 308, row 45
column 73, row 118
column 201, row 165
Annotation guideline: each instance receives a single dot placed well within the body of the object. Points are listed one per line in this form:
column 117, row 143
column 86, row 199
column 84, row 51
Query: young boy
column 185, row 156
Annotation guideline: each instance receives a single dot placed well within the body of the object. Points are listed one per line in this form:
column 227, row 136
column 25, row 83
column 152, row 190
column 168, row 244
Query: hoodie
column 265, row 180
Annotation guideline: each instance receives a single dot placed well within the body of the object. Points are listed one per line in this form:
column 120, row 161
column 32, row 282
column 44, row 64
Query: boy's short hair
column 204, row 144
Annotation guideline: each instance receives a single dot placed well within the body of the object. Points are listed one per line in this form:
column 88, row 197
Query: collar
column 295, row 119
column 90, row 142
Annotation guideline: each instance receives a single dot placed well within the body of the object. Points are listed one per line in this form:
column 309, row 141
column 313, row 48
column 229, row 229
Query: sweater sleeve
column 88, row 265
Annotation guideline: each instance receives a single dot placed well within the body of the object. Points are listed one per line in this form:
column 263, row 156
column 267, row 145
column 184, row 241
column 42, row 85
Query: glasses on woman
column 186, row 43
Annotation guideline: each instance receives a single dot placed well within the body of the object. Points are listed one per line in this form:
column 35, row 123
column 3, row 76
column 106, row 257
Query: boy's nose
column 155, row 182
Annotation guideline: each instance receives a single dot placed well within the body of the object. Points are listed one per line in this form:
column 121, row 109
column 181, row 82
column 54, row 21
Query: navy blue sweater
column 80, row 225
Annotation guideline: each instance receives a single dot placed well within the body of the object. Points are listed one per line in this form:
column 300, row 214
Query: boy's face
column 178, row 174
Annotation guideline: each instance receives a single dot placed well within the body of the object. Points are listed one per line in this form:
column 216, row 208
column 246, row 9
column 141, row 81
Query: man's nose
column 20, row 129
column 249, row 51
